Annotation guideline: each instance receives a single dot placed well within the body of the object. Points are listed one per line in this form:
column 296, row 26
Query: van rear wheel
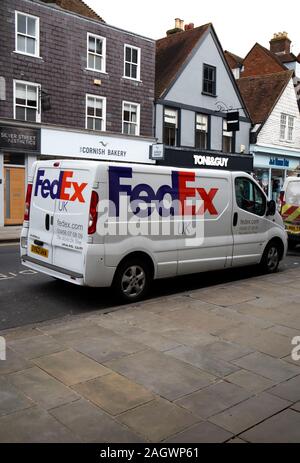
column 132, row 280
column 271, row 258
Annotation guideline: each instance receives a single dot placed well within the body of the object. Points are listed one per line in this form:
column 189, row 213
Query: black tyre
column 132, row 280
column 271, row 258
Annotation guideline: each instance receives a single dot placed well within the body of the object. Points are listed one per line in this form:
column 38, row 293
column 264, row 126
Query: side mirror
column 271, row 208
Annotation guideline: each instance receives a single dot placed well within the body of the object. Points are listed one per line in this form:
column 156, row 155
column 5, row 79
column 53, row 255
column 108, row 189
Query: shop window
column 201, row 141
column 131, row 118
column 14, row 159
column 228, row 139
column 132, row 62
column 209, row 80
column 96, row 53
column 170, row 127
column 27, row 34
column 249, row 197
column 27, row 101
column 95, row 113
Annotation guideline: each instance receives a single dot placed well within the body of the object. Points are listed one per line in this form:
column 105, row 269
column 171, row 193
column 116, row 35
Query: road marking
column 11, row 275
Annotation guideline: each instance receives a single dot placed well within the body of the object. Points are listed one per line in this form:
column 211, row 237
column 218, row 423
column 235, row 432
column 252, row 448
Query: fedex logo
column 63, row 188
column 179, row 191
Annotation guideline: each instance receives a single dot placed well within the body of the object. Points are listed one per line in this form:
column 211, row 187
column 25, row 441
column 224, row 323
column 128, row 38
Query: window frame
column 232, row 138
column 139, row 54
column 99, row 97
column 285, row 128
column 37, row 38
column 255, row 189
column 177, row 124
column 214, row 69
column 38, row 109
column 138, row 117
column 103, row 56
column 207, row 132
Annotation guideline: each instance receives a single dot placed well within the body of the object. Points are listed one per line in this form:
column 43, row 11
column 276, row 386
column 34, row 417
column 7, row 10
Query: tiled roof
column 261, row 93
column 288, row 58
column 76, row 6
column 171, row 54
column 234, row 61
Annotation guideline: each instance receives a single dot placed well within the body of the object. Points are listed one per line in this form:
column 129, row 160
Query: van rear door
column 59, row 216
column 291, row 208
column 41, row 215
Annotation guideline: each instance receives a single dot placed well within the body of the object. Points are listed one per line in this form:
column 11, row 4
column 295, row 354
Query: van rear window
column 293, row 193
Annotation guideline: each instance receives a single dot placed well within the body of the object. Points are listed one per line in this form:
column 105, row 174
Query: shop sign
column 195, row 159
column 19, row 138
column 99, row 146
column 277, row 162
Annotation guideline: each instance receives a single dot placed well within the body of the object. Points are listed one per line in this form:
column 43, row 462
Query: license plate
column 39, row 251
column 293, row 228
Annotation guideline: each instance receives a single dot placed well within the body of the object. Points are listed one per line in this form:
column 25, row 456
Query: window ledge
column 95, row 70
column 132, row 80
column 28, row 55
column 209, row 94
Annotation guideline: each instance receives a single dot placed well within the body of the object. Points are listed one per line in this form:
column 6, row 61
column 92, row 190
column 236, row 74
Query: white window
column 27, row 101
column 132, row 62
column 27, row 34
column 95, row 112
column 290, row 128
column 131, row 118
column 201, row 131
column 286, row 127
column 96, row 53
column 228, row 144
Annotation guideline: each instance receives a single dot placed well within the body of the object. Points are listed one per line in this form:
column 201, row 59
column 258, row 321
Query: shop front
column 271, row 170
column 18, row 147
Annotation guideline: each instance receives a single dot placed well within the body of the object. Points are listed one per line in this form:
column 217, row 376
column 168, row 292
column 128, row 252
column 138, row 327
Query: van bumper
column 51, row 270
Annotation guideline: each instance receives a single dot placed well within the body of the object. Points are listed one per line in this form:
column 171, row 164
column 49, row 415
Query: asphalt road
column 27, row 297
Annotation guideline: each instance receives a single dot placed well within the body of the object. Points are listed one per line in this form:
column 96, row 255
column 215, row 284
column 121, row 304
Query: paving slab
column 203, row 361
column 289, row 390
column 147, row 338
column 202, row 433
column 189, row 337
column 70, row 367
column 37, row 346
column 249, row 413
column 224, row 296
column 42, row 388
column 33, row 426
column 90, row 424
column 158, row 420
column 281, row 428
column 20, row 333
column 162, row 374
column 227, row 351
column 13, row 363
column 296, row 407
column 250, row 381
column 107, row 347
column 11, row 400
column 214, row 399
column 114, row 393
column 268, row 367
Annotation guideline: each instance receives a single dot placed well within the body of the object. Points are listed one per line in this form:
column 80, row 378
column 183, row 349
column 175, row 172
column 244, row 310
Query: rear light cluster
column 93, row 216
column 28, row 202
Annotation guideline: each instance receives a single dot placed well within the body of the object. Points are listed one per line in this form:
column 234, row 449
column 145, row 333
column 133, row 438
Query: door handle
column 235, row 219
column 47, row 222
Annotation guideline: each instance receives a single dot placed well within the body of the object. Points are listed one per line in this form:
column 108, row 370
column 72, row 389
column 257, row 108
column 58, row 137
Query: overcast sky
column 238, row 23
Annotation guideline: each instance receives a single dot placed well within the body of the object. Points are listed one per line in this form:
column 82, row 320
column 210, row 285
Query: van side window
column 249, row 197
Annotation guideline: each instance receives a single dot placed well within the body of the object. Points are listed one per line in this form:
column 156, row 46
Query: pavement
column 211, row 364
column 10, row 234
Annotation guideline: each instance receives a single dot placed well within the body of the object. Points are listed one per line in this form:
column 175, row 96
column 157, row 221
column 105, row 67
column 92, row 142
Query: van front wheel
column 271, row 258
column 132, row 280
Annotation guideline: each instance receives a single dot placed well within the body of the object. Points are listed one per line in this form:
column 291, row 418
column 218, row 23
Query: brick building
column 67, row 77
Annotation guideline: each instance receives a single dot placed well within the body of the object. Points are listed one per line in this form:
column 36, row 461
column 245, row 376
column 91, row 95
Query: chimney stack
column 179, row 27
column 280, row 44
column 189, row 27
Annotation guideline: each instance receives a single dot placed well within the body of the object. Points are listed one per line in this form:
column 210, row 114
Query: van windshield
column 293, row 193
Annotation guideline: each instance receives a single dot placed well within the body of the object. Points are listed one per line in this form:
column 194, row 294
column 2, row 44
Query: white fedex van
column 100, row 224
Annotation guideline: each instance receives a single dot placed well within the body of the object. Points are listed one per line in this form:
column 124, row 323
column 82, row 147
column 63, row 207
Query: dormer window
column 209, row 80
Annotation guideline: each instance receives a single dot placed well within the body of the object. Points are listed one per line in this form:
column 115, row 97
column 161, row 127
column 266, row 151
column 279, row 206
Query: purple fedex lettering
column 47, row 188
column 141, row 193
